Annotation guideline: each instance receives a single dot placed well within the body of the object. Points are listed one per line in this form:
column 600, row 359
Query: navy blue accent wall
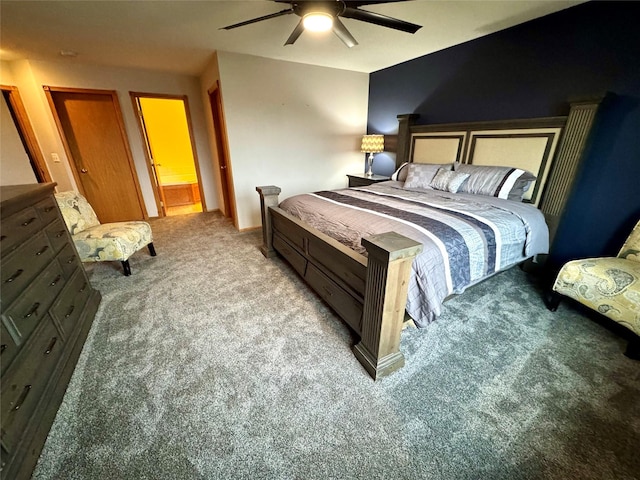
column 532, row 70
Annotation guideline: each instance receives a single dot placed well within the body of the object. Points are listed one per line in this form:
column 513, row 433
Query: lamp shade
column 372, row 143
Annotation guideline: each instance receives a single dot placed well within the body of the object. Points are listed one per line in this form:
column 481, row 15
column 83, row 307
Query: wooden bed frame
column 370, row 293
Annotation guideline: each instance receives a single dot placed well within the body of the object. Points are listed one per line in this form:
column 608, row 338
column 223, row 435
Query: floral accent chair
column 610, row 286
column 102, row 242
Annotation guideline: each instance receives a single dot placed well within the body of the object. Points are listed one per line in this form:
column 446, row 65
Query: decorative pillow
column 501, row 182
column 419, row 175
column 401, row 173
column 448, row 180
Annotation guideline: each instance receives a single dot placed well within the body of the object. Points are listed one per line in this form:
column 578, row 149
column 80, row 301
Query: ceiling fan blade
column 379, row 19
column 295, row 34
column 343, row 34
column 259, row 19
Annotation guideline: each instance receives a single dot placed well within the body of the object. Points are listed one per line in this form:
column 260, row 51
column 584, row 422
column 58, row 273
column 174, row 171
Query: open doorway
column 166, row 130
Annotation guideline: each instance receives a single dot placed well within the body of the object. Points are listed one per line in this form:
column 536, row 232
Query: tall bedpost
column 268, row 198
column 389, row 264
column 576, row 135
column 405, row 121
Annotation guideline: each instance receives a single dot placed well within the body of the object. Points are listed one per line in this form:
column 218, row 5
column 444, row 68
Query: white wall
column 292, row 125
column 30, row 76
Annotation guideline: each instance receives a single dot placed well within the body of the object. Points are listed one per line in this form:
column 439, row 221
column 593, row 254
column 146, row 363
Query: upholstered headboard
column 550, row 147
column 526, row 144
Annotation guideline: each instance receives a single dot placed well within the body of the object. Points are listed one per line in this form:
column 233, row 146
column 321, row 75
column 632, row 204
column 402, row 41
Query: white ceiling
column 181, row 35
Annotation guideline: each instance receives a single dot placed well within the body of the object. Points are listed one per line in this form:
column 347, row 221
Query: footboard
column 369, row 293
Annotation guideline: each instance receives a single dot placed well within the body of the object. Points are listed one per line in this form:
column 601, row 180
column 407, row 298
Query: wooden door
column 90, row 124
column 222, row 151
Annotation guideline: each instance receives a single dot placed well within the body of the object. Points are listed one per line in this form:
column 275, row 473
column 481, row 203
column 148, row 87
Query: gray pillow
column 502, row 182
column 419, row 175
column 448, row 180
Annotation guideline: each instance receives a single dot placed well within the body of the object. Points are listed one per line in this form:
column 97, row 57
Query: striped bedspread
column 466, row 237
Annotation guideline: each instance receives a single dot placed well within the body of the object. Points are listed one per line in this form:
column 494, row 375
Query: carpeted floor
column 212, row 362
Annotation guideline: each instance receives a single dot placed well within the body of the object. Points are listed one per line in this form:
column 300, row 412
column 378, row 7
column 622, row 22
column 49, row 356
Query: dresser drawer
column 24, row 385
column 18, row 228
column 69, row 261
column 47, row 210
column 8, row 348
column 68, row 306
column 22, row 266
column 27, row 311
column 57, row 235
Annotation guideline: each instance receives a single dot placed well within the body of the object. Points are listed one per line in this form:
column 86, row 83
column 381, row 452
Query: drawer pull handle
column 42, row 250
column 29, row 222
column 34, row 309
column 14, row 276
column 70, row 311
column 55, row 281
column 60, row 233
column 51, row 345
column 83, row 287
column 3, row 347
column 327, row 290
column 23, row 397
column 71, row 259
column 48, row 209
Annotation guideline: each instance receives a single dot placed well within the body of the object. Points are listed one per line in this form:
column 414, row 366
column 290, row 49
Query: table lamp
column 372, row 144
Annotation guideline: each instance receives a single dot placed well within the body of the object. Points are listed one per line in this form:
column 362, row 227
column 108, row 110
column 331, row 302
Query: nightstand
column 362, row 180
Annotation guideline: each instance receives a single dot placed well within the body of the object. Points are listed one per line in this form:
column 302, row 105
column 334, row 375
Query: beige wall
column 293, row 125
column 20, row 74
column 289, row 124
column 30, row 76
column 15, row 168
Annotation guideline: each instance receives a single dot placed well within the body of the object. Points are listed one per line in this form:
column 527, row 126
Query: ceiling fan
column 323, row 16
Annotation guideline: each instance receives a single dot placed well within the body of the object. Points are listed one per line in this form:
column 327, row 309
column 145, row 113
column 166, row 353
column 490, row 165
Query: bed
column 466, row 201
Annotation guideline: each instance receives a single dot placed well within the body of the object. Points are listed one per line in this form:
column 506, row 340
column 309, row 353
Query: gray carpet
column 212, row 362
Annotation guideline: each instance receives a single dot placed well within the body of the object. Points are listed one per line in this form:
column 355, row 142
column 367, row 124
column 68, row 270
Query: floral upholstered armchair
column 610, row 286
column 98, row 242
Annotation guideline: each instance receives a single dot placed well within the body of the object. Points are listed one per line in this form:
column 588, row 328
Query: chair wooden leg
column 126, row 268
column 152, row 249
column 552, row 300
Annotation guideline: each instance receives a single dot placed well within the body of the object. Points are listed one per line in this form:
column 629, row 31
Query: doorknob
column 84, row 170
column 222, row 167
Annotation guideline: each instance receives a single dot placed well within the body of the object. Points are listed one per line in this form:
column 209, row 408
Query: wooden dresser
column 48, row 306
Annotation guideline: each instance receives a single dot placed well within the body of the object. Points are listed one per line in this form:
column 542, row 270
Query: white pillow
column 401, row 173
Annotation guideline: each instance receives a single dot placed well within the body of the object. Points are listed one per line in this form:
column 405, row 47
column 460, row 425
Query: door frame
column 27, row 134
column 214, row 95
column 49, row 90
column 143, row 136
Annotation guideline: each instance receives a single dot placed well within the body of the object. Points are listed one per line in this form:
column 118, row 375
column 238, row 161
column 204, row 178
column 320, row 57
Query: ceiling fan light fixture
column 317, row 21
